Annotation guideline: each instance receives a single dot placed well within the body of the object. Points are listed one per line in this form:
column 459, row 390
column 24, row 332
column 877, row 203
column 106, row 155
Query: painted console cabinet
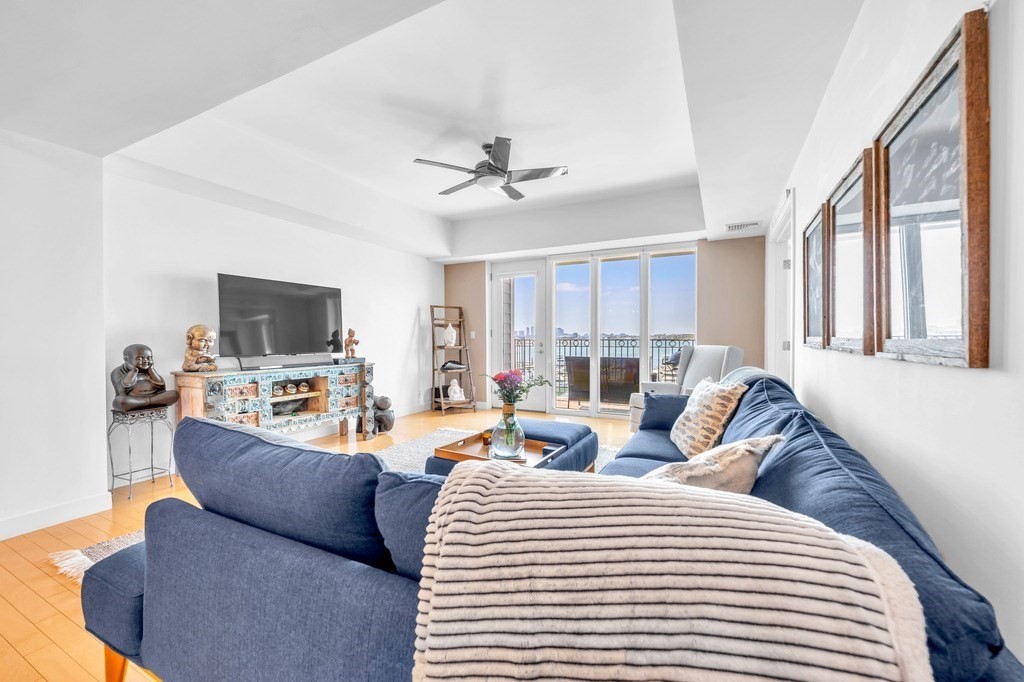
column 336, row 392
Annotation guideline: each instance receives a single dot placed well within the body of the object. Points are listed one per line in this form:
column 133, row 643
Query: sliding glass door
column 619, row 319
column 518, row 324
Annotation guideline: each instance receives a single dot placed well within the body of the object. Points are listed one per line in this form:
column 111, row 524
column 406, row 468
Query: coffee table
column 472, row 447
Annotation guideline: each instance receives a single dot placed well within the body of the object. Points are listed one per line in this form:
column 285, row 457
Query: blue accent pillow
column 403, row 504
column 661, row 410
column 281, row 485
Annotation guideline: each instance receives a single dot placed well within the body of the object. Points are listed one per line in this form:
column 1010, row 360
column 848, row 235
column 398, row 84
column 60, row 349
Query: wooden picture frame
column 964, row 53
column 812, row 340
column 861, row 171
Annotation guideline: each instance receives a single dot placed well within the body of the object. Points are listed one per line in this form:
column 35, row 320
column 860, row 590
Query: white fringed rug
column 412, row 455
column 75, row 562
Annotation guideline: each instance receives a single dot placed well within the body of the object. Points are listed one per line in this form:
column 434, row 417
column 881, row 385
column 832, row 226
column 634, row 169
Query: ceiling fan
column 492, row 173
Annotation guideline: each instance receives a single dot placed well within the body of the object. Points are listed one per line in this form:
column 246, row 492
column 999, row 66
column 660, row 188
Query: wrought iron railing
column 612, row 352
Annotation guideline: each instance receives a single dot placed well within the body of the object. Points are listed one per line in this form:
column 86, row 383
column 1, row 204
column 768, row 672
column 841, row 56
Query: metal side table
column 135, row 418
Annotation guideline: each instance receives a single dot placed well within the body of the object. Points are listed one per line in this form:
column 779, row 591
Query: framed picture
column 849, row 252
column 932, row 211
column 814, row 282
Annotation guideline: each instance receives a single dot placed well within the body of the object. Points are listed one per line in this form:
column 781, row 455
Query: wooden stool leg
column 115, row 664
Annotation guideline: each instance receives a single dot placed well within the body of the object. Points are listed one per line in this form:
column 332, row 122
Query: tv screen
column 262, row 316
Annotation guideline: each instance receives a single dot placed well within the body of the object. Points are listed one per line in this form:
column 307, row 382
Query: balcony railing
column 619, row 376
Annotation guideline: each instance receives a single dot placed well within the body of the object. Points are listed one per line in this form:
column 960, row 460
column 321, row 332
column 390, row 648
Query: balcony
column 619, row 369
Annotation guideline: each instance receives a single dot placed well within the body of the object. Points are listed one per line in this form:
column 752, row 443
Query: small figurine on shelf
column 455, row 392
column 199, row 339
column 383, row 414
column 335, row 342
column 451, row 336
column 137, row 386
column 350, row 344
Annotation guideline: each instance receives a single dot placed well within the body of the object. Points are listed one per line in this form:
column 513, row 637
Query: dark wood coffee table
column 473, row 448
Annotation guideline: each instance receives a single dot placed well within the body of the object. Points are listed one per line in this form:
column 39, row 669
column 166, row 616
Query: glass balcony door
column 519, row 330
column 619, row 319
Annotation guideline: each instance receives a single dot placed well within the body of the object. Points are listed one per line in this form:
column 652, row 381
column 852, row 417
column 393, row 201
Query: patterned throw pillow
column 731, row 467
column 707, row 412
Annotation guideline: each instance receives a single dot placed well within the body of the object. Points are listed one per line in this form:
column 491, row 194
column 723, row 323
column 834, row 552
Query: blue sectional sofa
column 304, row 565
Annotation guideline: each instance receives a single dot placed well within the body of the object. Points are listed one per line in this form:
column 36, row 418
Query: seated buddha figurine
column 137, row 386
column 199, row 339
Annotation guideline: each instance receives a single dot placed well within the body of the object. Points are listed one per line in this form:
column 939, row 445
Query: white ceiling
column 592, row 84
column 97, row 75
column 755, row 75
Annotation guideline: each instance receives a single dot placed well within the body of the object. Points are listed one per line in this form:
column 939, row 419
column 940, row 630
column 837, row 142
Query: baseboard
column 51, row 516
column 483, row 405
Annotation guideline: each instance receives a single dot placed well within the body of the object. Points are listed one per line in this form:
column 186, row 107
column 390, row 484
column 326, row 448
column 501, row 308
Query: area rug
column 412, row 454
column 75, row 562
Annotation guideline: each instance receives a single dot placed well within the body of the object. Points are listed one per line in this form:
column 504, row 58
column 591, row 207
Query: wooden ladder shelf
column 441, row 316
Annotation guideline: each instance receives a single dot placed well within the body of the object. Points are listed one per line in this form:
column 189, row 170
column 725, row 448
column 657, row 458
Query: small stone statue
column 137, row 386
column 350, row 344
column 199, row 339
column 383, row 414
column 335, row 342
column 455, row 391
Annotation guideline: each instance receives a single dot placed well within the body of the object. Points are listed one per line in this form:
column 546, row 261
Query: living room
column 679, row 190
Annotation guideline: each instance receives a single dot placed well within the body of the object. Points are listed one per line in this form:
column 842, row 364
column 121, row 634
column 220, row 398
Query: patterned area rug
column 75, row 562
column 412, row 455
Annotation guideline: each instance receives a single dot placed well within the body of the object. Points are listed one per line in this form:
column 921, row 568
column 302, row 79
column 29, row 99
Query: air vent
column 736, row 227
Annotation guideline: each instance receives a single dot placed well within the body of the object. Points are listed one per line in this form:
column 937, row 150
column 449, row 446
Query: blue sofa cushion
column 764, row 410
column 651, row 444
column 283, row 486
column 815, row 472
column 661, row 411
column 551, row 431
column 112, row 599
column 634, row 467
column 403, row 505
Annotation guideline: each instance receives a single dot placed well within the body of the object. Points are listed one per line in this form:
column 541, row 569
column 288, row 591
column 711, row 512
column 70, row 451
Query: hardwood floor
column 42, row 631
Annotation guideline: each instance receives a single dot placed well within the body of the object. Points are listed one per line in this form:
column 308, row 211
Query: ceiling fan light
column 490, row 181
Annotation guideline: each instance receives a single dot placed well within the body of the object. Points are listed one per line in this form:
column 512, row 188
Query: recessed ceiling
column 755, row 73
column 592, row 84
column 99, row 75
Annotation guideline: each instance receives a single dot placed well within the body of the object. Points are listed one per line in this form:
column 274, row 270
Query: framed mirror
column 814, row 282
column 849, row 247
column 932, row 227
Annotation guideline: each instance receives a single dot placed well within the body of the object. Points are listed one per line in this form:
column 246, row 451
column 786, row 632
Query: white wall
column 948, row 439
column 655, row 216
column 164, row 249
column 52, row 463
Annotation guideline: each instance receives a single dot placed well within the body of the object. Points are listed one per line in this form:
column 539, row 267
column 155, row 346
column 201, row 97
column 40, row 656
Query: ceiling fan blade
column 461, row 185
column 535, row 174
column 512, row 192
column 500, row 152
column 443, row 165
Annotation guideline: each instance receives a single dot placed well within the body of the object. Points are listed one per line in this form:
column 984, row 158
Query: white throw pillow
column 708, row 410
column 731, row 467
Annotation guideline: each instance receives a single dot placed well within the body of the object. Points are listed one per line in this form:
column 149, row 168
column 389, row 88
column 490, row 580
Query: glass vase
column 507, row 438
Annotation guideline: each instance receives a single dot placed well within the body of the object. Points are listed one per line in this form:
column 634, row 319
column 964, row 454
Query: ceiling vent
column 738, row 227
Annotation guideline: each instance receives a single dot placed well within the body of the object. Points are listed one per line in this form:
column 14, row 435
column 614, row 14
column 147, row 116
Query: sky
column 673, row 296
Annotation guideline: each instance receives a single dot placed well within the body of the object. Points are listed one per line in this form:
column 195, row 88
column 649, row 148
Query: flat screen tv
column 263, row 317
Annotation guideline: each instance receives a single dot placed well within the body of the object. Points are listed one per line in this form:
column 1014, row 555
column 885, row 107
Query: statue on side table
column 137, row 386
column 199, row 339
column 350, row 344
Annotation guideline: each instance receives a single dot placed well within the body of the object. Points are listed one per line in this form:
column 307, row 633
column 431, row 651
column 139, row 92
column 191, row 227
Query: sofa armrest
column 227, row 601
column 667, row 387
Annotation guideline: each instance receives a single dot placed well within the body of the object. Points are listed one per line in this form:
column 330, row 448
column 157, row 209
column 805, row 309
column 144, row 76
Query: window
column 630, row 312
column 814, row 283
column 850, row 256
column 932, row 287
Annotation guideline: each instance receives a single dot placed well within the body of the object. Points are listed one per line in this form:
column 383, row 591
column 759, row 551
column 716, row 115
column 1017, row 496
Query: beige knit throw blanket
column 546, row 575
